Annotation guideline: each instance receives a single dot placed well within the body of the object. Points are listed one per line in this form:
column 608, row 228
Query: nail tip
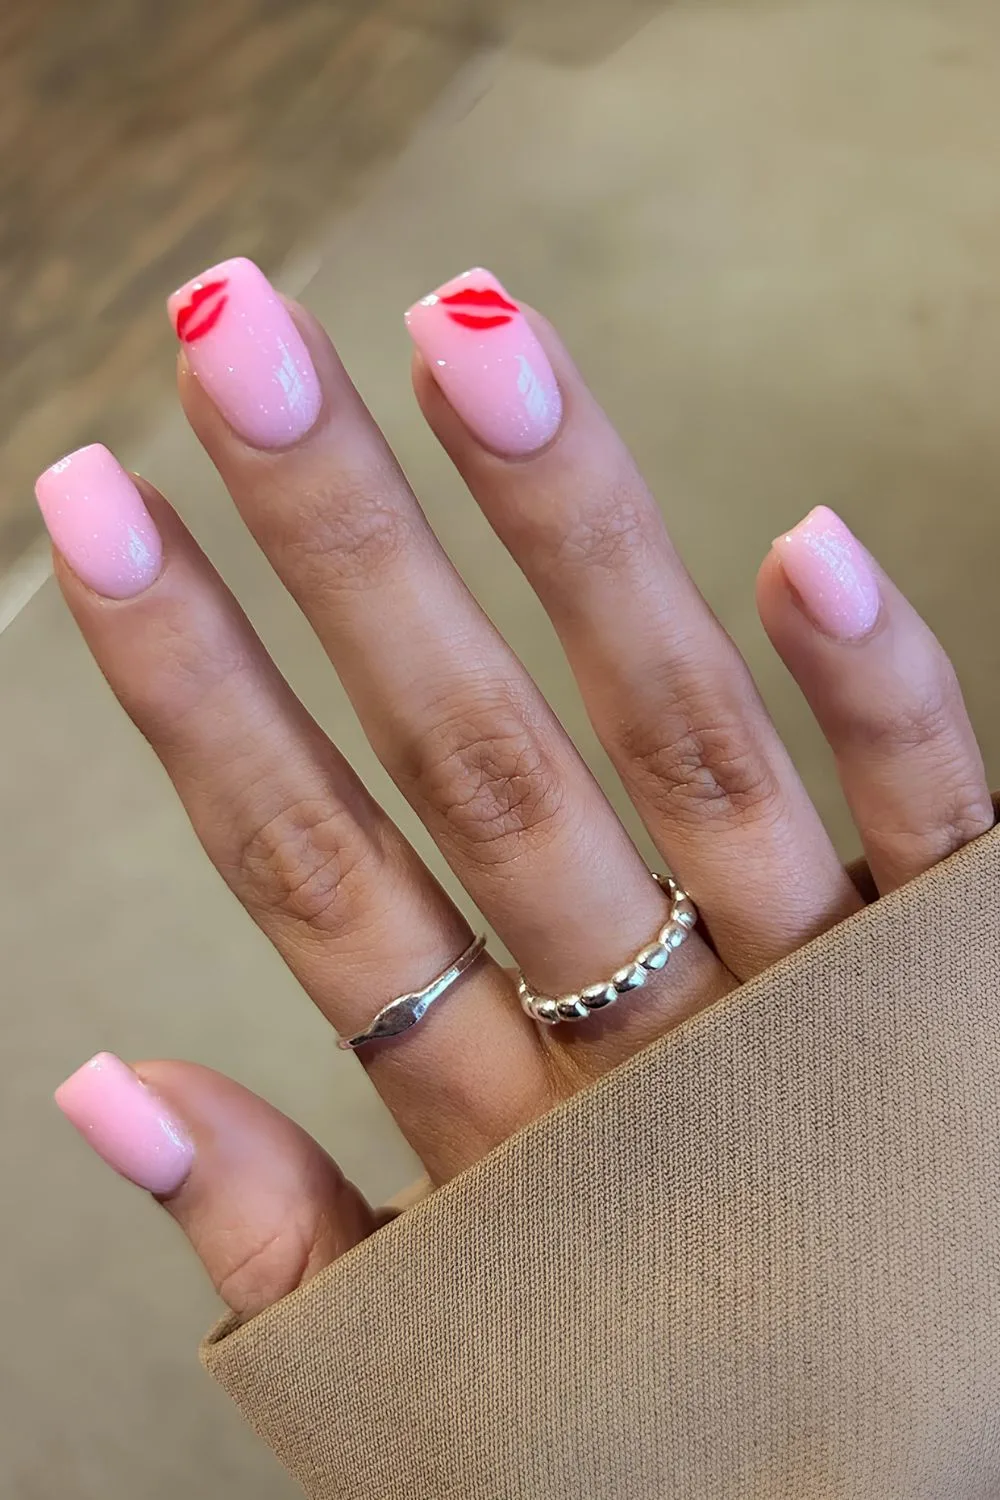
column 218, row 268
column 223, row 269
column 93, row 1064
column 433, row 297
column 67, row 460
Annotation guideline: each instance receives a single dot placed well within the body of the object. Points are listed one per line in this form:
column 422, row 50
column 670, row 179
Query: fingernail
column 830, row 571
column 483, row 354
column 126, row 1124
column 241, row 343
column 97, row 520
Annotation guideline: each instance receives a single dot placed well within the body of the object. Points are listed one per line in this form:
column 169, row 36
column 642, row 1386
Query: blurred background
column 770, row 232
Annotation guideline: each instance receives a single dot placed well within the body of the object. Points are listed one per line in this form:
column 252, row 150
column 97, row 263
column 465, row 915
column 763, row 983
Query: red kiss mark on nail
column 190, row 326
column 491, row 309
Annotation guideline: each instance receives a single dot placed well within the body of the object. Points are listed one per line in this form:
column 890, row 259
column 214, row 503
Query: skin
column 467, row 737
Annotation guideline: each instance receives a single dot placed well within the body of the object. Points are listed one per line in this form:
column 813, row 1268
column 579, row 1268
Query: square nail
column 832, row 575
column 127, row 1124
column 244, row 348
column 485, row 356
column 99, row 522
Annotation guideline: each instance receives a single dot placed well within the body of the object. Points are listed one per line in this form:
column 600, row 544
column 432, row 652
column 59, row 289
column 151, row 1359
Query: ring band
column 406, row 1010
column 649, row 960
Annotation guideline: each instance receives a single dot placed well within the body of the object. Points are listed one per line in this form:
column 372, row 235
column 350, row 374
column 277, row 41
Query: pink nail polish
column 248, row 354
column 831, row 572
column 483, row 354
column 126, row 1124
column 97, row 520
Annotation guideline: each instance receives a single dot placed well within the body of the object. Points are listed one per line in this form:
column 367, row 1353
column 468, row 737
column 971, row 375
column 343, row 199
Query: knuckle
column 489, row 776
column 969, row 816
column 305, row 863
column 706, row 771
column 922, row 832
column 355, row 530
column 920, row 719
column 269, row 1268
column 610, row 535
column 184, row 683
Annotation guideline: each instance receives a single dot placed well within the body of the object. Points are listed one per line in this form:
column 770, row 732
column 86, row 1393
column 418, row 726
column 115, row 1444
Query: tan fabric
column 762, row 1260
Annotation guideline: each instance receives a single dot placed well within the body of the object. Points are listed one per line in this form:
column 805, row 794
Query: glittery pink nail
column 831, row 573
column 482, row 352
column 98, row 521
column 126, row 1124
column 248, row 354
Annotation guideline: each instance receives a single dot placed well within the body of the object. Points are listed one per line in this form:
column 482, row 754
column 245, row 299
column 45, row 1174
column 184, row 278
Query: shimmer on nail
column 247, row 353
column 99, row 523
column 483, row 354
column 127, row 1124
column 831, row 572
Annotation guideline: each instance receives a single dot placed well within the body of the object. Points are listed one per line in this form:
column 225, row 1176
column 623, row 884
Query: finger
column 668, row 693
column 264, row 1207
column 448, row 708
column 884, row 693
column 314, row 860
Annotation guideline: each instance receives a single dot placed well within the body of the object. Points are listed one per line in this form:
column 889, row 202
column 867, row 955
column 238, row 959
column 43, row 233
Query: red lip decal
column 488, row 308
column 190, row 326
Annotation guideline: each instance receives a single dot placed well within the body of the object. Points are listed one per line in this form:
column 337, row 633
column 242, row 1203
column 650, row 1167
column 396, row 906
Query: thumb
column 263, row 1205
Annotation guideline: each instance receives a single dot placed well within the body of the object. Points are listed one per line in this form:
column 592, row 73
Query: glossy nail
column 126, row 1124
column 483, row 354
column 97, row 520
column 832, row 575
column 244, row 348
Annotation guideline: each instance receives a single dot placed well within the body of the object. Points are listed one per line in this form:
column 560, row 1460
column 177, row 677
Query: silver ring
column 406, row 1010
column 551, row 1010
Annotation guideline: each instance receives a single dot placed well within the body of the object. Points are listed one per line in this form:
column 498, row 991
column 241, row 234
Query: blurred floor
column 140, row 142
column 770, row 233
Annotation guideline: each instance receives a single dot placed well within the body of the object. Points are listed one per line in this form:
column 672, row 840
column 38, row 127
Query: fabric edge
column 224, row 1339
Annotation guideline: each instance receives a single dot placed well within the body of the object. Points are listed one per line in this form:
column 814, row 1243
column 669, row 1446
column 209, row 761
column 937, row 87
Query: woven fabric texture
column 761, row 1259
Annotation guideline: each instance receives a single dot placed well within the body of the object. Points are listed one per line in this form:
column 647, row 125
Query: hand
column 467, row 737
